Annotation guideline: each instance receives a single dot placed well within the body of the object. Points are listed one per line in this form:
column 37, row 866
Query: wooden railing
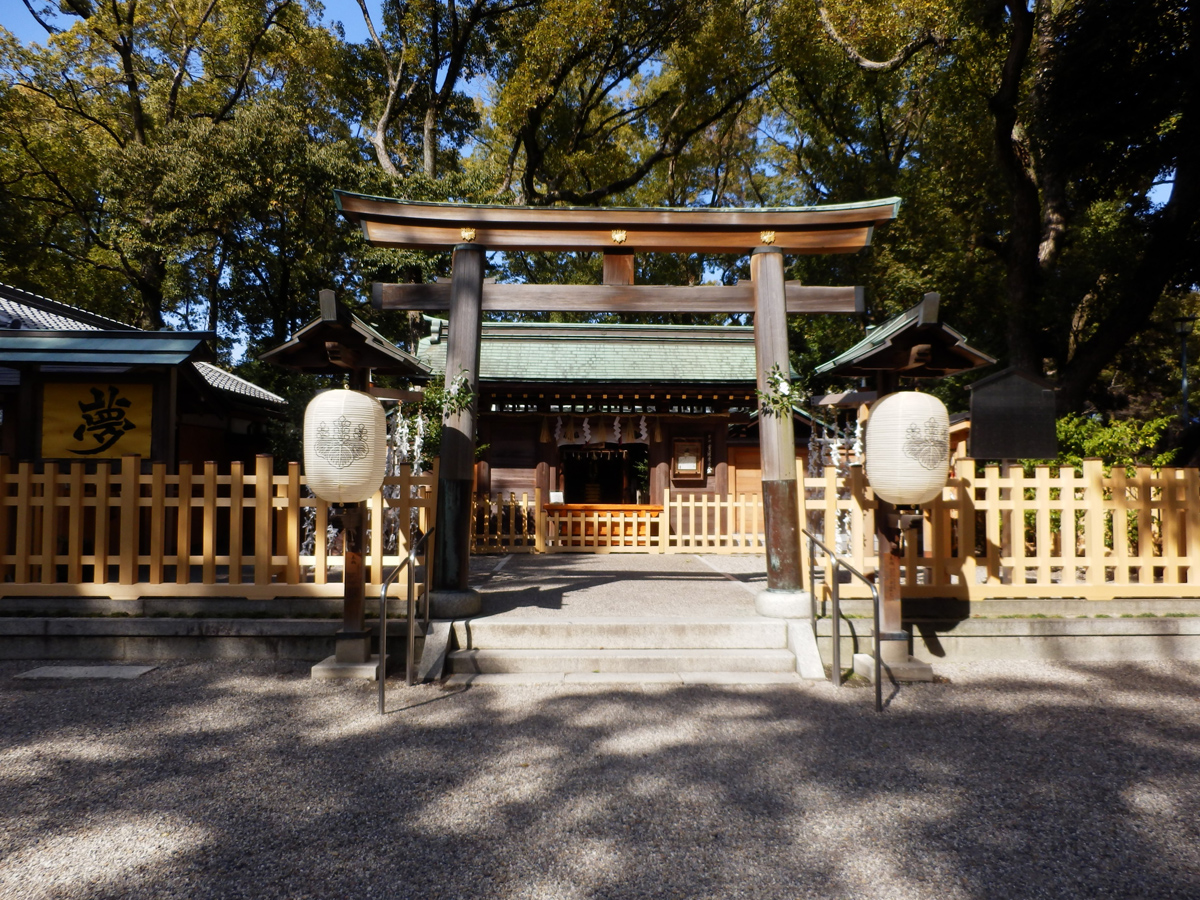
column 102, row 529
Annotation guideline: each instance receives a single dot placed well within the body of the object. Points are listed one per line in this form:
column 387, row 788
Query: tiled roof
column 520, row 352
column 22, row 309
column 230, row 383
column 38, row 330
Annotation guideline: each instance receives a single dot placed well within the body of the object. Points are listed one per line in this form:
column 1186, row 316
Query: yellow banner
column 96, row 419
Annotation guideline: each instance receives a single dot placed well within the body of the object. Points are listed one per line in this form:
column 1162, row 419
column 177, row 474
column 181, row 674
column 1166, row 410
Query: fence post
column 237, row 519
column 49, row 518
column 664, row 526
column 100, row 544
column 1093, row 498
column 128, row 536
column 264, row 467
column 1192, row 505
column 183, row 527
column 209, row 534
column 5, row 471
column 964, row 472
column 293, row 517
column 74, row 525
column 158, row 525
column 23, row 539
column 539, row 517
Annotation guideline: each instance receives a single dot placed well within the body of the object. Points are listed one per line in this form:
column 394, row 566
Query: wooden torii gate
column 471, row 230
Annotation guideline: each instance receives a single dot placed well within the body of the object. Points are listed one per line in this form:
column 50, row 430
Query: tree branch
column 50, row 29
column 925, row 39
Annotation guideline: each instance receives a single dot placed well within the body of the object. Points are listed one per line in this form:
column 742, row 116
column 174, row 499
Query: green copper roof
column 101, row 348
column 527, row 353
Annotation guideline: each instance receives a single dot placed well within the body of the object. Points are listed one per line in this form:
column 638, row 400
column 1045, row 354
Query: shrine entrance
column 607, row 474
column 620, row 234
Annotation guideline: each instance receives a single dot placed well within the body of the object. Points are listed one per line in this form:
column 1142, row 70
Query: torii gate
column 471, row 230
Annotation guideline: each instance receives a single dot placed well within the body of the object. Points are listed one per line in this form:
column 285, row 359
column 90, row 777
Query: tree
column 93, row 120
column 1089, row 104
column 426, row 50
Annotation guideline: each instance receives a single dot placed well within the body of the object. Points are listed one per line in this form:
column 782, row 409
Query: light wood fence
column 994, row 533
column 1056, row 533
column 100, row 529
column 113, row 530
column 695, row 523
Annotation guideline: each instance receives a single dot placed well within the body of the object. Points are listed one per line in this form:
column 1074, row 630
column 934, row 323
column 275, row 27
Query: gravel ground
column 249, row 780
column 618, row 584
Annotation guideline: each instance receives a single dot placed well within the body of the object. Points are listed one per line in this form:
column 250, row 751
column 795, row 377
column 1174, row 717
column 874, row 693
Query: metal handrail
column 410, row 664
column 837, row 613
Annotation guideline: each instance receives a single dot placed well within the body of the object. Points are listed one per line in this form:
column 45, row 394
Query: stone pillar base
column 912, row 669
column 784, row 604
column 352, row 646
column 329, row 669
column 447, row 604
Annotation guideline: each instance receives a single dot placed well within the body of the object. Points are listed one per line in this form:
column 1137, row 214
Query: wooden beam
column 359, row 207
column 801, row 299
column 395, row 394
column 619, row 267
column 807, row 241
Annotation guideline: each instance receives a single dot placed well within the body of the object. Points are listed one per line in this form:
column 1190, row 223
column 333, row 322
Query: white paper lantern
column 345, row 446
column 908, row 448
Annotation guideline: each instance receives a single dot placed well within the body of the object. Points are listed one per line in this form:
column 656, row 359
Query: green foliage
column 173, row 163
column 779, row 398
column 1123, row 442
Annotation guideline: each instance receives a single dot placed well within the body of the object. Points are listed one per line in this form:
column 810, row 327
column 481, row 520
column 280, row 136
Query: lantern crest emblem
column 929, row 445
column 341, row 442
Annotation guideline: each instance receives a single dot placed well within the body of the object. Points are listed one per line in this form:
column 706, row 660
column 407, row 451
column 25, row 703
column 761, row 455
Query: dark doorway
column 610, row 474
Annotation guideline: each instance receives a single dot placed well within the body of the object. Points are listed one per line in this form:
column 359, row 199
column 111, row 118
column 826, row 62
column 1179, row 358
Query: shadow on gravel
column 249, row 780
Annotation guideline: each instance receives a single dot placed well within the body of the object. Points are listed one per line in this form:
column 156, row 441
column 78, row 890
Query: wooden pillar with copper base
column 451, row 596
column 784, row 595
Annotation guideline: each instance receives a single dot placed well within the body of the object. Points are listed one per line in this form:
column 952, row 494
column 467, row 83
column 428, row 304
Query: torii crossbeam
column 619, row 233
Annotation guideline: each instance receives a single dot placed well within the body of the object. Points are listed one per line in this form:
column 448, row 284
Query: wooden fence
column 995, row 533
column 128, row 530
column 100, row 529
column 1056, row 533
column 695, row 523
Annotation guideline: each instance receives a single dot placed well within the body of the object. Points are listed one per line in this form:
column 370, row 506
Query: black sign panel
column 1012, row 417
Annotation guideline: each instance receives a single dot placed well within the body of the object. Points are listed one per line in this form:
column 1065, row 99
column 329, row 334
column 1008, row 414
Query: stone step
column 710, row 678
column 605, row 633
column 629, row 661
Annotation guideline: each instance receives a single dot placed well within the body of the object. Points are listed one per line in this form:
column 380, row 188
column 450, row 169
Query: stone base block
column 352, row 646
column 455, row 604
column 784, row 604
column 912, row 670
column 329, row 669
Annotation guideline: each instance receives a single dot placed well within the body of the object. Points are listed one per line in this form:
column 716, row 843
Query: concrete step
column 605, row 633
column 628, row 678
column 641, row 661
column 1084, row 639
column 32, row 637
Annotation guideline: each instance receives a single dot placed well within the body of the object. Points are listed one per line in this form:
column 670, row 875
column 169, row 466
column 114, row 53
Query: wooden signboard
column 689, row 460
column 96, row 420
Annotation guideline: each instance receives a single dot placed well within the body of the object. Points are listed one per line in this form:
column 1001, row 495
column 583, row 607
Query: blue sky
column 16, row 18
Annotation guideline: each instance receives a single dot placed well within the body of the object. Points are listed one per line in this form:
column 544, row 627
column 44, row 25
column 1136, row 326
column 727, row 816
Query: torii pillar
column 451, row 596
column 784, row 597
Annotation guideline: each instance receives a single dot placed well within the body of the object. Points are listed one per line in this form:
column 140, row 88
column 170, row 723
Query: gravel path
column 249, row 780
